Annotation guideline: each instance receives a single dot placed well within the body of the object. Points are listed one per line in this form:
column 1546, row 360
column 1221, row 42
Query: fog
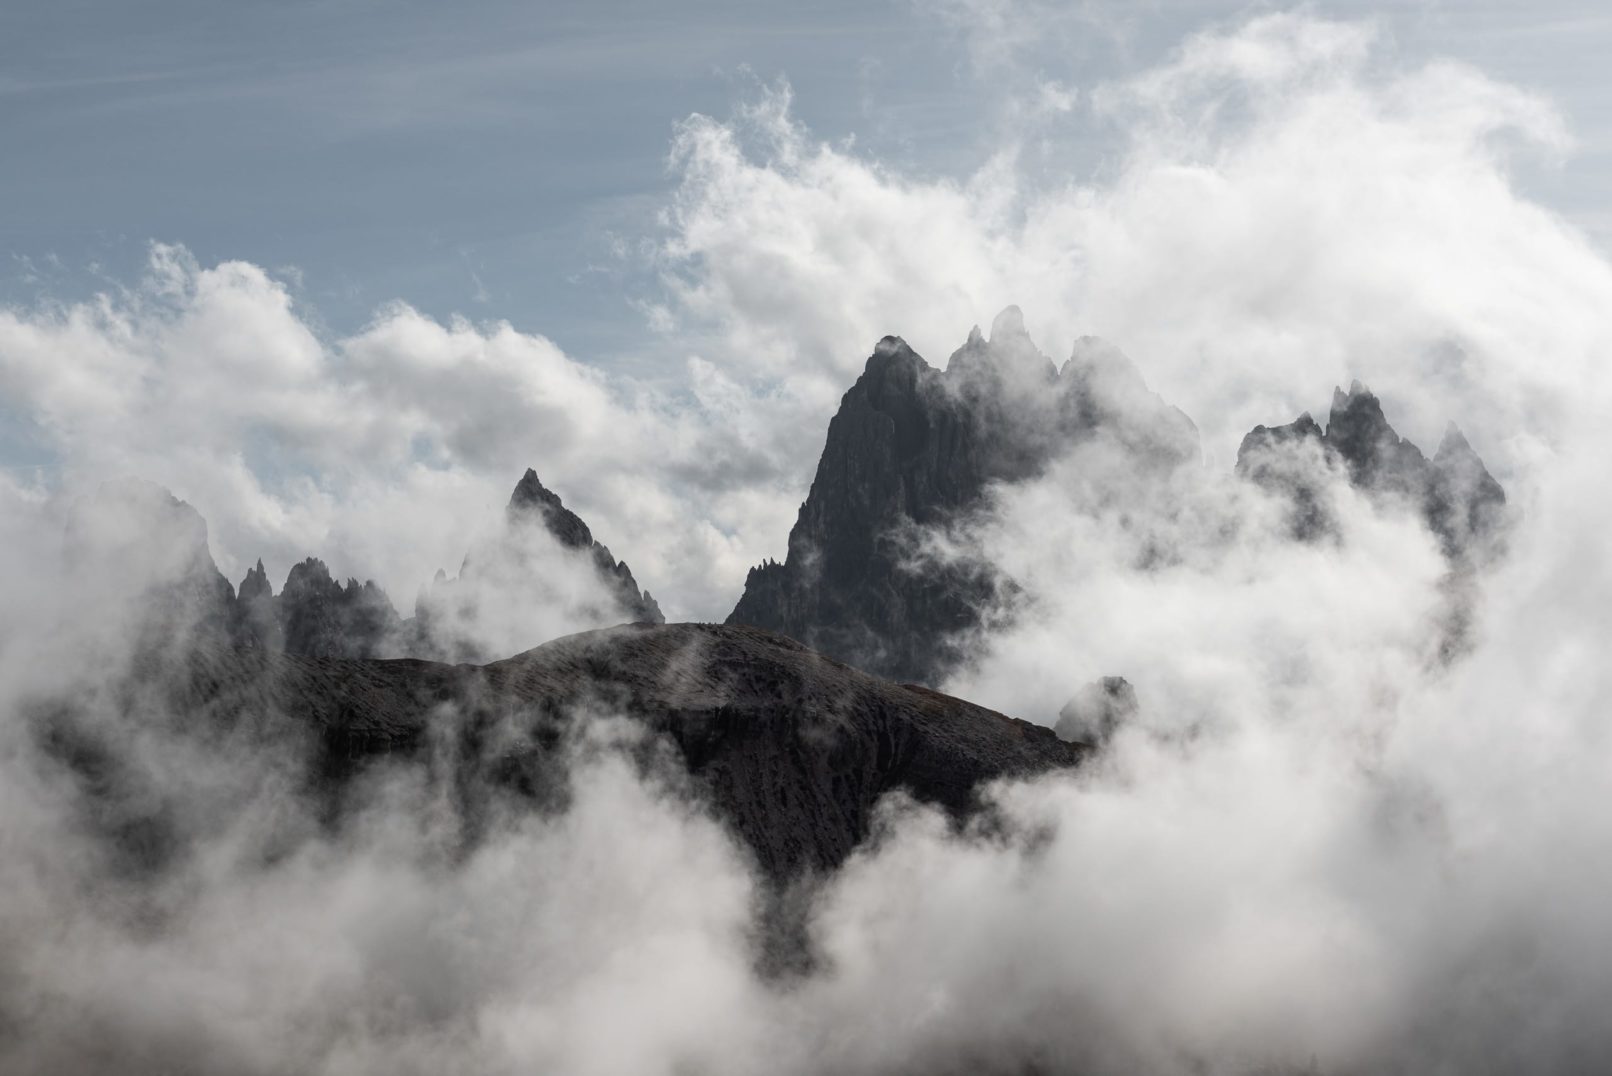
column 1329, row 841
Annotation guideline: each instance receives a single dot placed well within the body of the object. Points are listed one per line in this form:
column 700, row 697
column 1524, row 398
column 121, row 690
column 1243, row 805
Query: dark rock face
column 1097, row 711
column 319, row 616
column 913, row 448
column 794, row 748
column 316, row 616
column 1460, row 501
column 258, row 611
column 790, row 749
column 532, row 502
column 517, row 566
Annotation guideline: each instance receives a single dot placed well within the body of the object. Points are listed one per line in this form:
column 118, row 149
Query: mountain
column 792, row 751
column 533, row 504
column 912, row 449
column 544, row 571
column 316, row 615
column 1454, row 492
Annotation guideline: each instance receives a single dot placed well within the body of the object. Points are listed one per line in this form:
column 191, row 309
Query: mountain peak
column 1357, row 396
column 532, row 500
column 255, row 584
column 1009, row 359
column 1460, row 501
column 913, row 447
column 1007, row 325
column 1453, row 444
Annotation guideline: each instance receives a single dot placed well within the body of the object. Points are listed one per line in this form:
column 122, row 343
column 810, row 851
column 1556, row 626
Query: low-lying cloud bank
column 1319, row 846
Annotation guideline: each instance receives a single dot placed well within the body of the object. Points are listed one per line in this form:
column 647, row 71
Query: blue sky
column 501, row 160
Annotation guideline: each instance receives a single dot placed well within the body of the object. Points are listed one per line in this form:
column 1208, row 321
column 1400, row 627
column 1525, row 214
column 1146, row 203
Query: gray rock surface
column 321, row 617
column 532, row 501
column 1460, row 501
column 914, row 448
column 789, row 749
column 316, row 615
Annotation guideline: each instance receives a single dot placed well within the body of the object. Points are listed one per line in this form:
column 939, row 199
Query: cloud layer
column 1318, row 846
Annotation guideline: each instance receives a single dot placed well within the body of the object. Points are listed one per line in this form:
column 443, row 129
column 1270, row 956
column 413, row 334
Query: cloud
column 388, row 452
column 1320, row 843
column 1283, row 211
column 1317, row 847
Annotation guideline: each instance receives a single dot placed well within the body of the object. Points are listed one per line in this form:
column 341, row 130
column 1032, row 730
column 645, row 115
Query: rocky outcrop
column 321, row 617
column 1465, row 506
column 1097, row 711
column 1460, row 501
column 258, row 611
column 543, row 568
column 792, row 751
column 315, row 615
column 913, row 450
column 532, row 503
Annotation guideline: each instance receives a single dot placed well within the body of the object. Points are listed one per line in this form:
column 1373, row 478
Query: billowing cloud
column 387, row 453
column 1282, row 212
column 1318, row 846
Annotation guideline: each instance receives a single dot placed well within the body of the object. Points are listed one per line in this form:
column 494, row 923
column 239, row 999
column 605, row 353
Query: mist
column 1356, row 826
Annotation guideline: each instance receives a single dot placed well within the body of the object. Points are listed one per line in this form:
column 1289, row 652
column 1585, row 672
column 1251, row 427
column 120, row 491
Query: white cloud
column 386, row 453
column 1317, row 844
column 1283, row 213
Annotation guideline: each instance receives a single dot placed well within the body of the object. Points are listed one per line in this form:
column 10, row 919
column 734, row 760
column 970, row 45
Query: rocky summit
column 792, row 750
column 913, row 449
column 798, row 715
column 316, row 615
column 533, row 503
column 1454, row 492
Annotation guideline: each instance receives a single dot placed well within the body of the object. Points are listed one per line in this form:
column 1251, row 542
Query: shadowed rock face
column 791, row 750
column 1460, row 501
column 913, row 448
column 318, row 615
column 532, row 502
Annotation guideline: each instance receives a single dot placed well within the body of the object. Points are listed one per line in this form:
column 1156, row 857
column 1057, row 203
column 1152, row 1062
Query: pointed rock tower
column 1460, row 501
column 912, row 448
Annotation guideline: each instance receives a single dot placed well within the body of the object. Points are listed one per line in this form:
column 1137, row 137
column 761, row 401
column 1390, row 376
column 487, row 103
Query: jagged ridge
column 912, row 447
column 1458, row 498
column 315, row 615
